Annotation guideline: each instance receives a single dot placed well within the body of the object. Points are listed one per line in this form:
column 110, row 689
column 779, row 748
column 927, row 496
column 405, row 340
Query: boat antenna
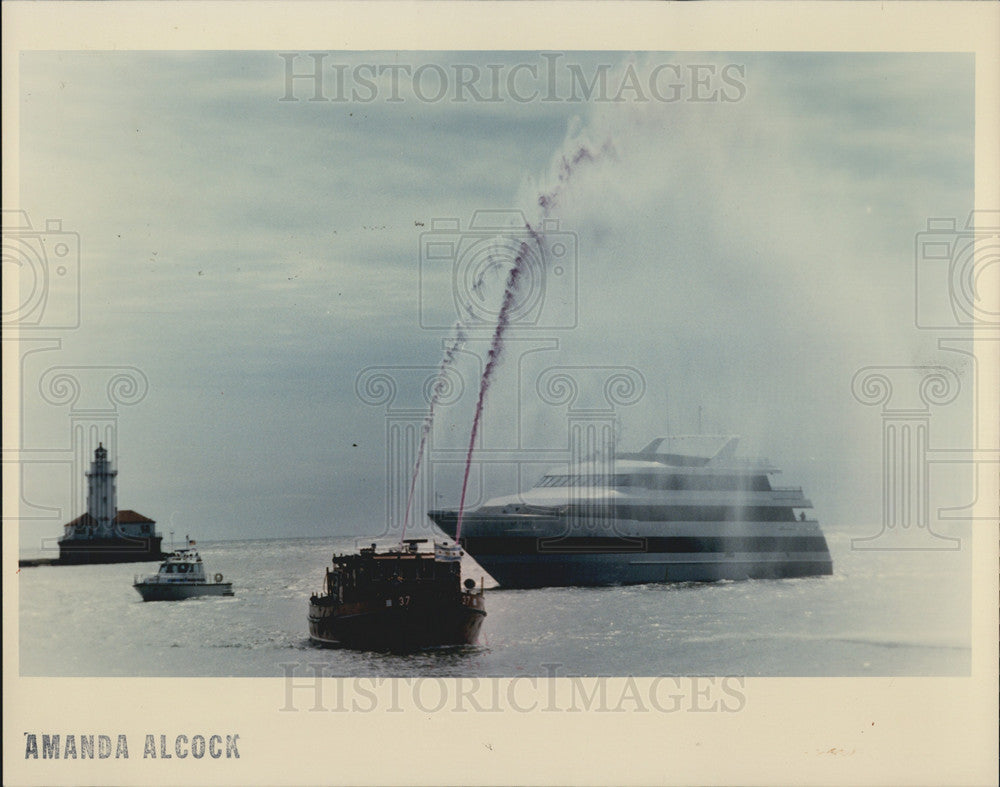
column 699, row 419
column 666, row 391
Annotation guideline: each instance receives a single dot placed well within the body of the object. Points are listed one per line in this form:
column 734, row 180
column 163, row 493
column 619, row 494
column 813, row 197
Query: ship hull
column 537, row 571
column 162, row 591
column 374, row 626
column 550, row 552
column 110, row 550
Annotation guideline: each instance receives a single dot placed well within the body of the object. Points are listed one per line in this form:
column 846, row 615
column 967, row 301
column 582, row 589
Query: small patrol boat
column 400, row 600
column 181, row 575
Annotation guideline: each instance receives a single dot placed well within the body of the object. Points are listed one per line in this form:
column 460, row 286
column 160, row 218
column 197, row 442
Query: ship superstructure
column 682, row 509
column 181, row 575
column 400, row 599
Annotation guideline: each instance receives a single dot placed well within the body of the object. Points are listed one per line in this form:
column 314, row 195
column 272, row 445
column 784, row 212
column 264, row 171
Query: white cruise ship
column 684, row 509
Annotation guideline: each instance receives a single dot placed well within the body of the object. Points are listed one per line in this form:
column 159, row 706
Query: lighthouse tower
column 102, row 504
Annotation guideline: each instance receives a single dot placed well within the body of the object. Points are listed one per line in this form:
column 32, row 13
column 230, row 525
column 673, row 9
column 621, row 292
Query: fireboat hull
column 389, row 625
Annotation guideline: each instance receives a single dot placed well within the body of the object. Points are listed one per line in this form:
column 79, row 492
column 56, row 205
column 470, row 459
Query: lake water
column 881, row 613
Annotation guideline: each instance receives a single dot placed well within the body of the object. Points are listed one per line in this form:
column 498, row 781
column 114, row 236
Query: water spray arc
column 546, row 201
column 436, row 392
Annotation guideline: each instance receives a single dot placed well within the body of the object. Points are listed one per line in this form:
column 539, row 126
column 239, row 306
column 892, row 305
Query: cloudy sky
column 743, row 246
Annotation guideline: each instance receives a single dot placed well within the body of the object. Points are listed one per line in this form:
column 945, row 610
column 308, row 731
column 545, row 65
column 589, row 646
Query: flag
column 447, row 553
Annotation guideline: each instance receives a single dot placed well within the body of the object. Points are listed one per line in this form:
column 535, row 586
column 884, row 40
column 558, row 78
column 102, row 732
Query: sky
column 262, row 262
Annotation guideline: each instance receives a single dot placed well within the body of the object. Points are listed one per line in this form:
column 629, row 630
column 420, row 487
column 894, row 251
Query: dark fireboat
column 398, row 600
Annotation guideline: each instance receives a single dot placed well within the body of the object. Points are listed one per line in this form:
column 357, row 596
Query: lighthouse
column 104, row 534
column 102, row 505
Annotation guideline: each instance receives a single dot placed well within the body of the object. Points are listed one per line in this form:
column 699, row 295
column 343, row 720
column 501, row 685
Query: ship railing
column 761, row 463
column 787, row 492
